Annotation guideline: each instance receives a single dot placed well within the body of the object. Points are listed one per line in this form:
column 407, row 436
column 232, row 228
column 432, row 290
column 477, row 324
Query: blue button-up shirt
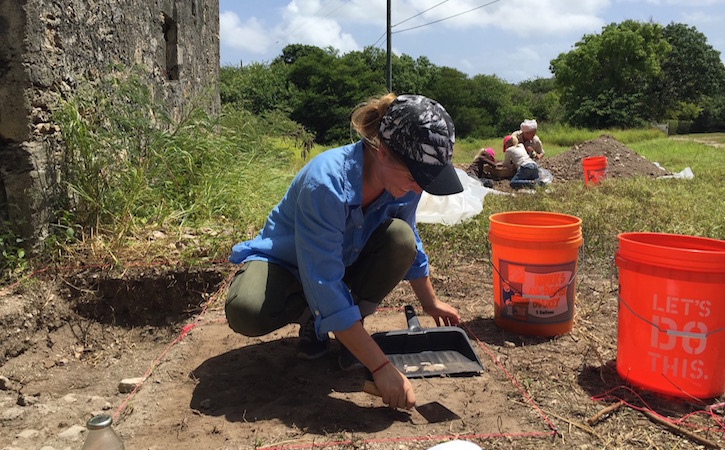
column 319, row 228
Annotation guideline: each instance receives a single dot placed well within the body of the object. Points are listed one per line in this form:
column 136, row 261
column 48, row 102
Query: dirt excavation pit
column 68, row 338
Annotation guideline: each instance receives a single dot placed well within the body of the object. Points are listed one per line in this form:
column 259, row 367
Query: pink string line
column 187, row 328
column 682, row 421
column 511, row 378
column 56, row 269
column 9, row 288
column 184, row 331
column 440, row 438
column 523, row 392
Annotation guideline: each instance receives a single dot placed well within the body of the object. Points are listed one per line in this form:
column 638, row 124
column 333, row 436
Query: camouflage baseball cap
column 421, row 131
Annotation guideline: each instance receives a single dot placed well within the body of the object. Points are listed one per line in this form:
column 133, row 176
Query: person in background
column 516, row 158
column 482, row 165
column 486, row 169
column 526, row 135
column 344, row 235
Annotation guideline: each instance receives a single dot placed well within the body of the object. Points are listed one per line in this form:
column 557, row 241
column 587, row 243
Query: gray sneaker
column 309, row 347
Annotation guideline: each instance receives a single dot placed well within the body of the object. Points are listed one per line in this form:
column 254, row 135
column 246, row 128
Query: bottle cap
column 98, row 422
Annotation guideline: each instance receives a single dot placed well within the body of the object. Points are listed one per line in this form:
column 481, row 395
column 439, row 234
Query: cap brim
column 446, row 183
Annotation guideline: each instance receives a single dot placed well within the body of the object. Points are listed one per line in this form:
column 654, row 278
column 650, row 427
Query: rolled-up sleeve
column 319, row 232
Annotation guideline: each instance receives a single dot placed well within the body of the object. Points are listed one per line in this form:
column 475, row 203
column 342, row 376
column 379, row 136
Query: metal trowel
column 433, row 412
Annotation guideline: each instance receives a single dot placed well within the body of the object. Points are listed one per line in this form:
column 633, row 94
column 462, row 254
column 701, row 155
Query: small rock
column 73, row 433
column 26, row 400
column 509, row 344
column 70, row 398
column 206, row 403
column 12, row 413
column 28, row 434
column 6, row 384
column 156, row 235
column 127, row 385
column 29, row 391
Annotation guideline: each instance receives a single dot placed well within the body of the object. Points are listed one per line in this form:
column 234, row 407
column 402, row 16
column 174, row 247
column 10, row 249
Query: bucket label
column 537, row 293
column 596, row 175
column 678, row 336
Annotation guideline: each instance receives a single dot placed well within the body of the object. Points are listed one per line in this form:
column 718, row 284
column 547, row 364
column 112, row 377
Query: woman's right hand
column 395, row 388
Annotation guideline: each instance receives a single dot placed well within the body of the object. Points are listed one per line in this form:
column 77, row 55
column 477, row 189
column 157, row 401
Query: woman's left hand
column 443, row 313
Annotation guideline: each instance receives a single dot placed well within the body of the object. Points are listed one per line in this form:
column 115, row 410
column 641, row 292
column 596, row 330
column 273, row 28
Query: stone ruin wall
column 47, row 47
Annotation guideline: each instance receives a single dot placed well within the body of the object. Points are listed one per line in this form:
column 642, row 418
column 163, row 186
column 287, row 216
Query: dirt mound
column 622, row 161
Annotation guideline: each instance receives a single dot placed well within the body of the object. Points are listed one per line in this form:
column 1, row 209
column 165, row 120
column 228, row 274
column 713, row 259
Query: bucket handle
column 529, row 296
column 675, row 333
column 611, row 275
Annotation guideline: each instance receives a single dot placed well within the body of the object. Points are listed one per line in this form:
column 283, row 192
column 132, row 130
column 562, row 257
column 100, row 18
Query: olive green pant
column 264, row 296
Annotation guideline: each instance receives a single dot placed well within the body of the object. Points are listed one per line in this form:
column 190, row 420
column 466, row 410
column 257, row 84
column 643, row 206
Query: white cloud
column 702, row 17
column 522, row 17
column 684, row 3
column 250, row 35
column 319, row 31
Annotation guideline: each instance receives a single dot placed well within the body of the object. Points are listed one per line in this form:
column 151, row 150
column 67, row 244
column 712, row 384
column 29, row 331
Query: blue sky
column 512, row 39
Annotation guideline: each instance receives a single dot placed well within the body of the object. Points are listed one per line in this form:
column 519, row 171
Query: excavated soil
column 69, row 336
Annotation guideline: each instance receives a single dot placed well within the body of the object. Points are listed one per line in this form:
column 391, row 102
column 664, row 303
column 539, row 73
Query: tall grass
column 131, row 165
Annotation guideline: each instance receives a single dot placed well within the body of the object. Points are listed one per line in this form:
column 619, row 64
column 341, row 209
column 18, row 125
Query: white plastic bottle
column 101, row 435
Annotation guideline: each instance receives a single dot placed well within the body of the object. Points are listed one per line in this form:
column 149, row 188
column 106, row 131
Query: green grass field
column 691, row 207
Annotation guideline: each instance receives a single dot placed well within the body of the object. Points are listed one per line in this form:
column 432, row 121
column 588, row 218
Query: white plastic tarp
column 453, row 209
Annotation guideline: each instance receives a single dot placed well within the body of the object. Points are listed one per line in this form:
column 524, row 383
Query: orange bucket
column 671, row 320
column 534, row 260
column 595, row 169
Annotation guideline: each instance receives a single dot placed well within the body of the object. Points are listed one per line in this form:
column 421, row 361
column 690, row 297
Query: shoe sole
column 312, row 357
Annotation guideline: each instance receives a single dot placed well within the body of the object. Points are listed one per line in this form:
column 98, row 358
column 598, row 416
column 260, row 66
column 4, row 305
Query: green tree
column 712, row 117
column 412, row 76
column 328, row 89
column 480, row 107
column 541, row 98
column 624, row 60
column 452, row 89
column 257, row 87
column 692, row 73
column 503, row 108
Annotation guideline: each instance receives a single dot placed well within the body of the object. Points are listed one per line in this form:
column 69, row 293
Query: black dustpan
column 426, row 352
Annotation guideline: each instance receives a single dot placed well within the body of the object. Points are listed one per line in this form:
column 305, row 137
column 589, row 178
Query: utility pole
column 389, row 68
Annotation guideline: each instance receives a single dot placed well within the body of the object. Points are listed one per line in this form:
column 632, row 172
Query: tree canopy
column 634, row 73
column 630, row 74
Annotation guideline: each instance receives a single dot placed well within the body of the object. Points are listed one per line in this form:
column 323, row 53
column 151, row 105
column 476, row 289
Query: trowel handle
column 413, row 323
column 370, row 388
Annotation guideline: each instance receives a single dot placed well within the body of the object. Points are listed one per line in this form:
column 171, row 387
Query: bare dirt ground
column 69, row 336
